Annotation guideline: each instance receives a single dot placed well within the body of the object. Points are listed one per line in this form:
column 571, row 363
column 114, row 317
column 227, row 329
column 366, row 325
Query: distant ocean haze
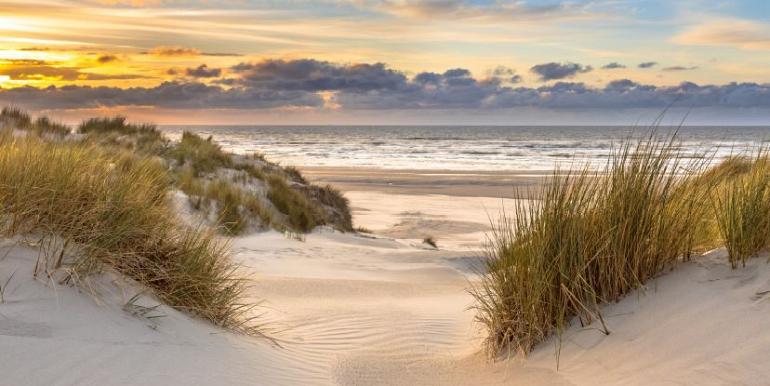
column 462, row 148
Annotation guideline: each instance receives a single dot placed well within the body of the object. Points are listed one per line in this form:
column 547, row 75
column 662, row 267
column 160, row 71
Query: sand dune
column 360, row 310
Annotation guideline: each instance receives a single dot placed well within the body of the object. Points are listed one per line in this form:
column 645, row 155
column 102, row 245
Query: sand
column 381, row 309
column 494, row 184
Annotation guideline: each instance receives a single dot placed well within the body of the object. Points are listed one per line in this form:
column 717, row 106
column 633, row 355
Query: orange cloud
column 174, row 51
column 741, row 34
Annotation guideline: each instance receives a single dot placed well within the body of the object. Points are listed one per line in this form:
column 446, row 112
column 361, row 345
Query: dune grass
column 743, row 208
column 301, row 214
column 202, row 155
column 20, row 120
column 590, row 239
column 111, row 208
column 143, row 138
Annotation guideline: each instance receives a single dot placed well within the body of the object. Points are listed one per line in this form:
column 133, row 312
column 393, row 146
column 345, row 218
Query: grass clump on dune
column 235, row 206
column 301, row 215
column 743, row 209
column 19, row 119
column 203, row 155
column 111, row 208
column 145, row 138
column 590, row 239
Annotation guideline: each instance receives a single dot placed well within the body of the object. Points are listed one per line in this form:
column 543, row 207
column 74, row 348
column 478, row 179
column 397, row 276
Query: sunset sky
column 388, row 62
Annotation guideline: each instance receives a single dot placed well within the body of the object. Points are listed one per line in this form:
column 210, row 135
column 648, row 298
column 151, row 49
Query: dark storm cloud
column 203, row 71
column 613, row 66
column 553, row 70
column 647, row 64
column 299, row 83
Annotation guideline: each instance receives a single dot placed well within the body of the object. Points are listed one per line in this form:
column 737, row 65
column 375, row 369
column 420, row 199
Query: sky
column 389, row 62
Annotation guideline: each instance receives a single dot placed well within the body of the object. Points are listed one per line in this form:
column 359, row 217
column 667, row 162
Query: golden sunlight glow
column 14, row 24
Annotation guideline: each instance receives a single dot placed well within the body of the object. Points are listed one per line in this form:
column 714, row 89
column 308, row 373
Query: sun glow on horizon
column 337, row 56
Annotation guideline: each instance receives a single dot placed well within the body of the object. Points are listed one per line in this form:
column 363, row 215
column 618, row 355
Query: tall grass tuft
column 301, row 214
column 145, row 138
column 203, row 155
column 743, row 209
column 591, row 238
column 111, row 208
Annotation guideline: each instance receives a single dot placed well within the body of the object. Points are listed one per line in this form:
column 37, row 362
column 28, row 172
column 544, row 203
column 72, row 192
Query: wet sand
column 494, row 184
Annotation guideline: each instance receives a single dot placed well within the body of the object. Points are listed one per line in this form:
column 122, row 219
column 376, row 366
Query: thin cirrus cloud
column 484, row 11
column 742, row 34
column 302, row 83
column 33, row 70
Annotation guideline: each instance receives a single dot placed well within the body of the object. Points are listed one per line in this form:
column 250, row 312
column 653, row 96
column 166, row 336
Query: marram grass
column 111, row 208
column 589, row 239
column 742, row 207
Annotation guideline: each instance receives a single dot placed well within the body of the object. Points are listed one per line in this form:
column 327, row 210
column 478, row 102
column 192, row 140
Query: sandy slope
column 355, row 310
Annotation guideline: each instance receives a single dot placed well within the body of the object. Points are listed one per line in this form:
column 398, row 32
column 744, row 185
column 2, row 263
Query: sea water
column 469, row 148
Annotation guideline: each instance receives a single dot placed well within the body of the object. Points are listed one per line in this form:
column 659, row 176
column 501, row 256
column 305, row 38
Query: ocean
column 467, row 148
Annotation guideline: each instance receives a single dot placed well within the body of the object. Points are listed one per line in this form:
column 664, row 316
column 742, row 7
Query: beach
column 382, row 308
column 384, row 193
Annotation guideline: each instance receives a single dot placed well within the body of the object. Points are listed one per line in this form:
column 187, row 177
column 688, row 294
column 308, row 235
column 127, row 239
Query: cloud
column 38, row 70
column 738, row 33
column 612, row 66
column 481, row 11
column 220, row 54
column 647, row 64
column 107, row 58
column 203, row 71
column 314, row 75
column 308, row 83
column 175, row 95
column 553, row 70
column 680, row 68
column 504, row 74
column 173, row 51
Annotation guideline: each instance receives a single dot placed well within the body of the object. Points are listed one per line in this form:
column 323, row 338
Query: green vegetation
column 202, row 155
column 110, row 208
column 101, row 199
column 217, row 181
column 592, row 237
column 301, row 214
column 22, row 121
column 144, row 138
column 743, row 210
